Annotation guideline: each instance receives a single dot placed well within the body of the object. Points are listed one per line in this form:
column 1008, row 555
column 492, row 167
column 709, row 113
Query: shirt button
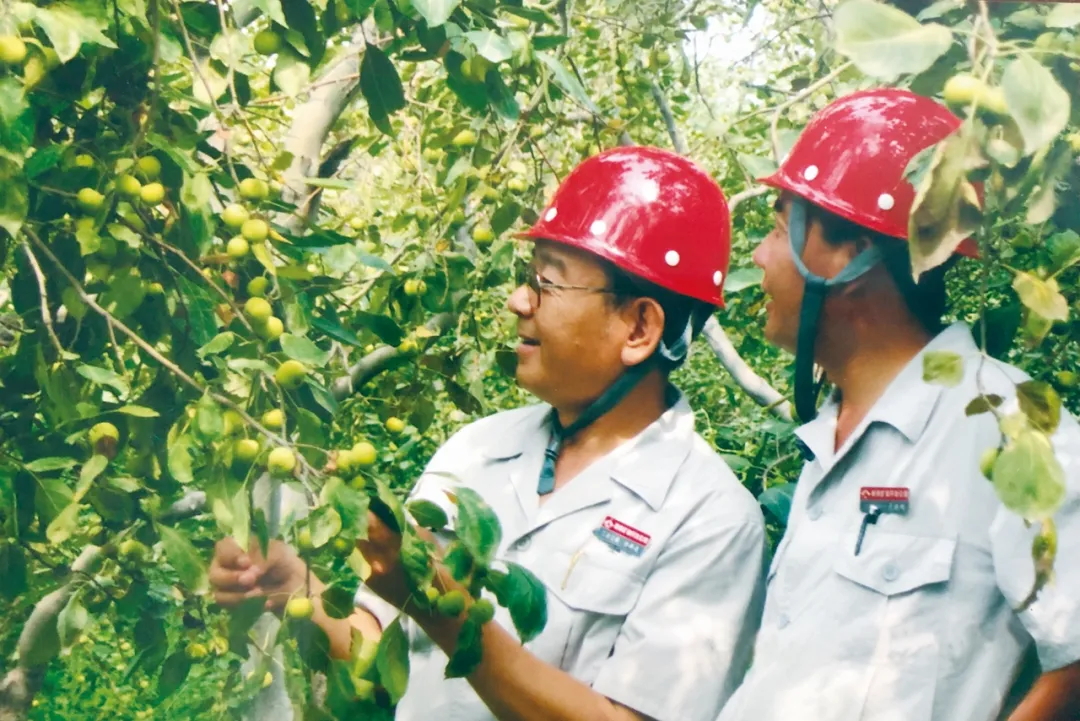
column 814, row 513
column 783, row 621
column 890, row 572
column 522, row 544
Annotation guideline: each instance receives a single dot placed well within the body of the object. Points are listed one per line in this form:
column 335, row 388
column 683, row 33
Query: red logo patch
column 628, row 532
column 867, row 493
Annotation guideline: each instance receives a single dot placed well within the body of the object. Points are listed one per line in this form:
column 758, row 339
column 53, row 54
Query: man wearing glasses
column 650, row 549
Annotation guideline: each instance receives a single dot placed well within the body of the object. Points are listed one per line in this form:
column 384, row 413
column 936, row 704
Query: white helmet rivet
column 598, row 227
column 811, row 172
column 717, row 278
column 550, row 215
column 886, row 201
column 672, row 258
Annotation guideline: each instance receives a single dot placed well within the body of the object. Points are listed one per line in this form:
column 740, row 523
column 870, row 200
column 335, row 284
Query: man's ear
column 645, row 319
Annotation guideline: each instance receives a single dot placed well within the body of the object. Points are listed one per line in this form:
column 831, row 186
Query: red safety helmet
column 850, row 159
column 649, row 211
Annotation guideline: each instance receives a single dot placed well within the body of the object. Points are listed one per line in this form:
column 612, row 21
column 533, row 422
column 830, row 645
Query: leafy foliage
column 373, row 157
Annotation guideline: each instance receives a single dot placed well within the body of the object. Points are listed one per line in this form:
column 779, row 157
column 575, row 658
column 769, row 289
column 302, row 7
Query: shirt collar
column 645, row 465
column 906, row 405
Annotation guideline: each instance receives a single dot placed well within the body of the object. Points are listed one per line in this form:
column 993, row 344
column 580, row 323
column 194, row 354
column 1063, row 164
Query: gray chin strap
column 611, row 397
column 814, row 294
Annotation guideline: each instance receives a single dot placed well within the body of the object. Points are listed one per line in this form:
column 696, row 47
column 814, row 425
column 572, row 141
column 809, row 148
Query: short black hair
column 926, row 299
column 679, row 310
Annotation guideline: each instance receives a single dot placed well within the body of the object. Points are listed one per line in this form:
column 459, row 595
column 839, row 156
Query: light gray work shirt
column 664, row 626
column 920, row 625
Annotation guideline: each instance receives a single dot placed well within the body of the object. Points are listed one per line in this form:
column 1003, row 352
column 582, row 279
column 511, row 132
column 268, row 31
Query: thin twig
column 280, row 97
column 46, row 314
column 191, row 264
column 805, row 92
column 677, row 139
column 206, row 84
column 165, row 362
column 736, row 200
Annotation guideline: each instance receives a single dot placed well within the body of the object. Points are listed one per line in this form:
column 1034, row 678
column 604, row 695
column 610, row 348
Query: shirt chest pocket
column 895, row 563
column 893, row 596
column 589, row 598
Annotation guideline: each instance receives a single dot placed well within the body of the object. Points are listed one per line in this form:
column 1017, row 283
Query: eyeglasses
column 530, row 278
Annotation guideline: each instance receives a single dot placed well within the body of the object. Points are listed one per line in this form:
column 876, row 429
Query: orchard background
column 258, row 242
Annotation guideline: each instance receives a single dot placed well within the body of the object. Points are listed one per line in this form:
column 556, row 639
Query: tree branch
column 379, row 360
column 165, row 362
column 46, row 314
column 677, row 140
column 22, row 683
column 754, row 385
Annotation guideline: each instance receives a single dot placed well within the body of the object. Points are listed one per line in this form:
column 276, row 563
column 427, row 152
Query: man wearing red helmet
column 651, row 552
column 898, row 590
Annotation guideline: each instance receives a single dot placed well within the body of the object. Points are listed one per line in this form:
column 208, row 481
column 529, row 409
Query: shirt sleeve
column 1053, row 619
column 686, row 644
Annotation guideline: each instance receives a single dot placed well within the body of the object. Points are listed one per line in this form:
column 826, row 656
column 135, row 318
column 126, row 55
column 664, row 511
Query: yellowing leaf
column 1027, row 476
column 946, row 208
column 885, row 42
column 1038, row 104
column 943, row 367
column 1041, row 296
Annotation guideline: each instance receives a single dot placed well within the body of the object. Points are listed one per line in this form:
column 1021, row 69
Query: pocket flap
column 894, row 563
column 590, row 585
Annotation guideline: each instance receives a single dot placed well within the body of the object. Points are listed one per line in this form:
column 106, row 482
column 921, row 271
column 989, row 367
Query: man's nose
column 518, row 303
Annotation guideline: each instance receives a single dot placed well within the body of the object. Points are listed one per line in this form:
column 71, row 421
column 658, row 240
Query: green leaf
column 1041, row 296
column 566, row 80
column 1027, row 476
column 1041, row 404
column 53, row 463
column 383, row 326
column 489, row 44
column 387, row 506
column 381, row 86
column 1063, row 15
column 90, row 471
column 272, row 9
column 291, row 73
column 71, row 622
column 885, row 42
column 524, row 596
column 427, row 514
column 63, row 526
column 1064, row 249
column 219, row 343
column 983, row 404
column 468, row 652
column 209, row 421
column 946, row 208
column 338, row 600
column 184, row 559
column 743, row 278
column 435, row 12
column 325, row 523
column 200, row 322
column 12, row 570
column 392, row 661
column 477, row 525
column 14, row 199
column 12, row 104
column 416, row 554
column 104, row 377
column 71, row 24
column 126, row 291
column 351, row 505
column 173, row 673
column 757, row 167
column 943, row 367
column 303, row 350
column 777, row 500
column 179, row 460
column 1038, row 104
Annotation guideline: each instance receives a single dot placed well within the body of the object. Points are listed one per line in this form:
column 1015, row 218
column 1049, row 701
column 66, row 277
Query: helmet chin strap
column 611, row 397
column 814, row 294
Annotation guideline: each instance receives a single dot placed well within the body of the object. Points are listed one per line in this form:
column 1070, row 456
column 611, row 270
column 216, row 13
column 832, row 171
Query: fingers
column 228, row 554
